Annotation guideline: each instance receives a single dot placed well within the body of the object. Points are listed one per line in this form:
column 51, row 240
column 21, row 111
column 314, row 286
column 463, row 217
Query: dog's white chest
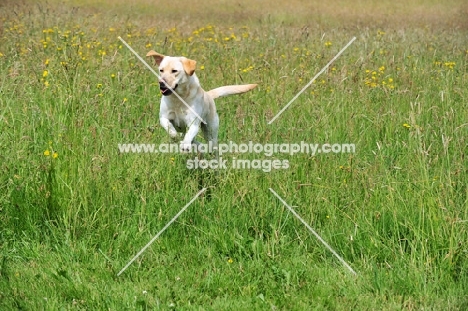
column 176, row 113
column 178, row 118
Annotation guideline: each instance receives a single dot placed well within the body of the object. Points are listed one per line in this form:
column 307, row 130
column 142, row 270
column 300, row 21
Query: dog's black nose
column 162, row 85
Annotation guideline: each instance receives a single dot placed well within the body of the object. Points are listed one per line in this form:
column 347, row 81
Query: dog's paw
column 173, row 134
column 185, row 147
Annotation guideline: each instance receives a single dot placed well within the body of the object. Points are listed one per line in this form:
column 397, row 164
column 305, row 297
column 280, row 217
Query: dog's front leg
column 185, row 145
column 168, row 126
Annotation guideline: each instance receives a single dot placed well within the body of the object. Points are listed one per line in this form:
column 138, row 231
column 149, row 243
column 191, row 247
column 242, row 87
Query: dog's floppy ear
column 189, row 65
column 157, row 57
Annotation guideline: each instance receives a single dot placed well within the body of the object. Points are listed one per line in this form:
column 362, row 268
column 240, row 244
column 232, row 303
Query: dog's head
column 172, row 71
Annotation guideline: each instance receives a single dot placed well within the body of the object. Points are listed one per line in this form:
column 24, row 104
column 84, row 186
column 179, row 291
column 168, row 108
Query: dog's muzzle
column 165, row 90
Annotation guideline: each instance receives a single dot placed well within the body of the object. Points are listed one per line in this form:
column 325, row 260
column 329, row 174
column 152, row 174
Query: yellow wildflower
column 450, row 65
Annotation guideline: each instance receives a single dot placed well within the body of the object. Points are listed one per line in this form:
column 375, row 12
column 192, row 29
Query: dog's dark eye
column 160, row 70
column 174, row 71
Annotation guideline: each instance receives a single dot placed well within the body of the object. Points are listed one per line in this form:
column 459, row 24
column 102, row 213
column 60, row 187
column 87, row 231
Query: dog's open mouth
column 165, row 90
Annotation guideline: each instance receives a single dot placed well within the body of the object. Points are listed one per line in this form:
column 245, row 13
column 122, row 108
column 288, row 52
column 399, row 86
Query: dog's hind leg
column 210, row 132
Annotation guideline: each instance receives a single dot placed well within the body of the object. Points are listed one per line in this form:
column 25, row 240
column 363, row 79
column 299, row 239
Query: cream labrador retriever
column 185, row 106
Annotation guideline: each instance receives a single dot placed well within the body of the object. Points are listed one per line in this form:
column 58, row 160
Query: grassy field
column 74, row 210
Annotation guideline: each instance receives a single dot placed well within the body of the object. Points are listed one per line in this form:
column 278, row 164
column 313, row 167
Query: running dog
column 185, row 106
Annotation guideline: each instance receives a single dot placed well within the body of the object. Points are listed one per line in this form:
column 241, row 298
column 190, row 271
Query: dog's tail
column 230, row 90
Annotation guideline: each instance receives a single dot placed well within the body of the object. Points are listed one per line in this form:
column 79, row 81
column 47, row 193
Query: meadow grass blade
column 160, row 232
column 314, row 233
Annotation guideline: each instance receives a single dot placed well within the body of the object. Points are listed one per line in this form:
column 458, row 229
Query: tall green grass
column 74, row 210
